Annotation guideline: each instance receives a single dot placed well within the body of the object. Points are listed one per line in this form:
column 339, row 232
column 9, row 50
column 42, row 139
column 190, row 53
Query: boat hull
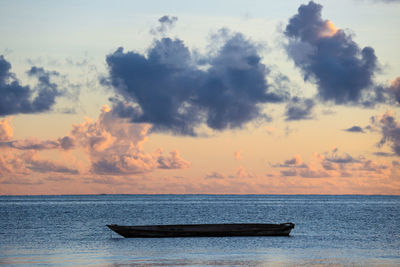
column 203, row 230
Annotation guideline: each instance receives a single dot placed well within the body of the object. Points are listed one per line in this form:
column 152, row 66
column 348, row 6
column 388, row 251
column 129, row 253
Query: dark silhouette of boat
column 203, row 230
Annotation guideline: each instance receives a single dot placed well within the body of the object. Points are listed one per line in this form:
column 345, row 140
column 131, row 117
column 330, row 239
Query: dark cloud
column 299, row 109
column 296, row 162
column 355, row 129
column 341, row 159
column 104, row 166
column 390, row 130
column 384, row 154
column 170, row 90
column 15, row 98
column 293, row 161
column 166, row 23
column 327, row 165
column 330, row 58
column 33, row 144
column 44, row 166
column 64, row 143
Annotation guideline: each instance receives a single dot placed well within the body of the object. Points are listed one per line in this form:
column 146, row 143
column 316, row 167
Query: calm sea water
column 71, row 231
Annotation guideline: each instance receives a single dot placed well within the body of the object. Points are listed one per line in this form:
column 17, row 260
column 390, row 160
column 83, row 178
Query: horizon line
column 196, row 194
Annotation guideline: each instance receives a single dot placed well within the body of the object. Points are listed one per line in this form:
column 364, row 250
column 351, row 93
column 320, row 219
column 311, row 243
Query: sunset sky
column 192, row 97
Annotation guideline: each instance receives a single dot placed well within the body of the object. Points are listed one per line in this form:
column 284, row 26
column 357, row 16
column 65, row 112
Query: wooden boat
column 203, row 230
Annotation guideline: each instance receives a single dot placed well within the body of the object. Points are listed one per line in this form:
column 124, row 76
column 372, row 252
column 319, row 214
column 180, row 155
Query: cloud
column 239, row 173
column 166, row 23
column 123, row 164
column 173, row 161
column 390, row 130
column 26, row 163
column 332, row 164
column 10, row 164
column 64, row 143
column 310, row 173
column 46, row 166
column 114, row 146
column 394, row 89
column 15, row 98
column 6, row 130
column 238, row 154
column 295, row 161
column 354, row 129
column 6, row 134
column 299, row 109
column 384, row 154
column 370, row 166
column 296, row 167
column 34, row 144
column 215, row 175
column 174, row 92
column 342, row 159
column 330, row 58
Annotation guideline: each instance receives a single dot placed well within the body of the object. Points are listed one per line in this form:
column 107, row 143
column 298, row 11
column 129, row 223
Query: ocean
column 71, row 230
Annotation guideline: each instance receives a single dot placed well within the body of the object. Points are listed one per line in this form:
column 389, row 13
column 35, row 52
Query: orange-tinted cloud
column 112, row 145
column 328, row 30
column 173, row 161
column 332, row 165
column 6, row 130
column 238, row 154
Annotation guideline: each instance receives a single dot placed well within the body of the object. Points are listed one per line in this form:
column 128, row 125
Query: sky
column 199, row 97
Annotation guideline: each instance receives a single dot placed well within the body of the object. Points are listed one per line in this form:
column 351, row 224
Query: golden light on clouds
column 328, row 30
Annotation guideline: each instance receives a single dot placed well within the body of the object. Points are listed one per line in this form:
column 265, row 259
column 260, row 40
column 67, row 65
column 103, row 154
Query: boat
column 203, row 230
